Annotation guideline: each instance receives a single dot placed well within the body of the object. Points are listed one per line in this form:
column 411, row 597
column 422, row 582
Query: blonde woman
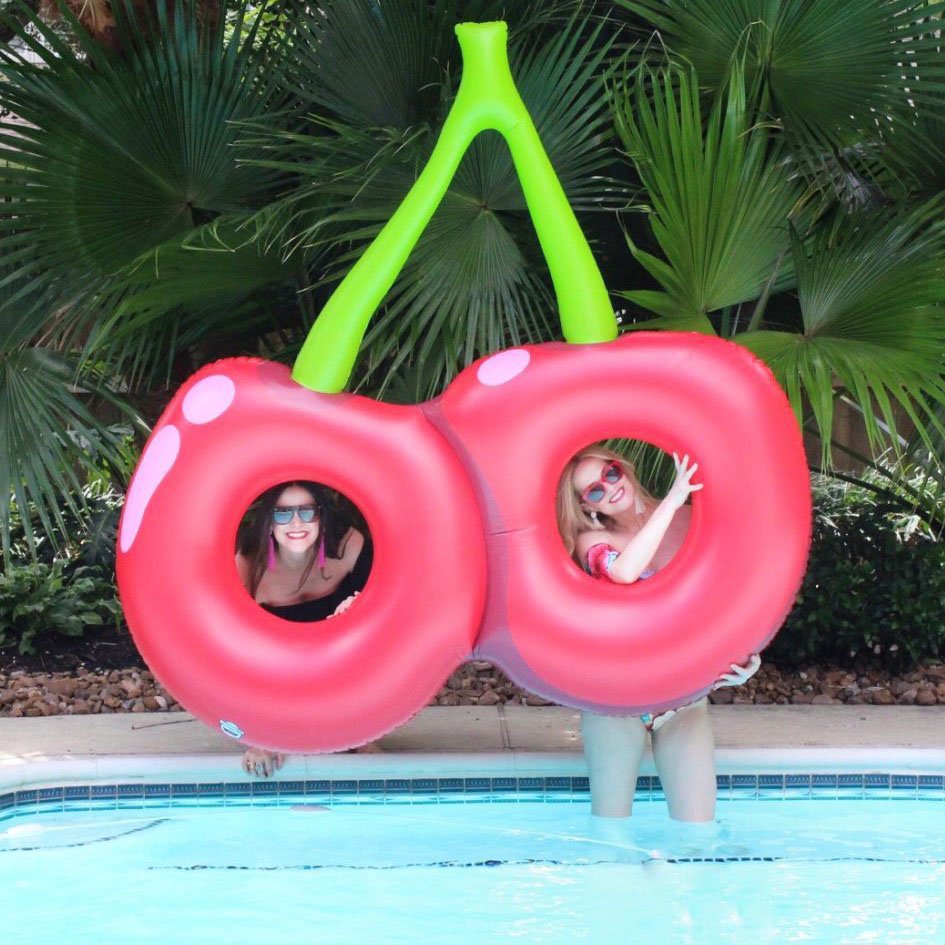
column 617, row 531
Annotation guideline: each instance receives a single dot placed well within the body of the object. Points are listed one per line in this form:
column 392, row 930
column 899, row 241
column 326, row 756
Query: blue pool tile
column 397, row 786
column 931, row 782
column 504, row 784
column 745, row 782
column 874, row 781
column 318, row 787
column 130, row 790
column 103, row 791
column 48, row 794
column 531, row 784
column 238, row 789
column 557, row 784
column 7, row 800
column 265, row 788
column 291, row 787
column 157, row 790
column 904, row 782
column 723, row 782
column 770, row 782
column 185, row 790
column 476, row 784
column 216, row 789
column 367, row 786
column 823, row 781
column 425, row 785
column 344, row 787
column 580, row 784
column 850, row 781
column 76, row 792
column 450, row 785
column 645, row 783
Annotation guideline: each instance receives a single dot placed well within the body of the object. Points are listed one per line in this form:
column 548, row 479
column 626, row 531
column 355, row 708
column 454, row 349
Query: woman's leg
column 613, row 747
column 684, row 751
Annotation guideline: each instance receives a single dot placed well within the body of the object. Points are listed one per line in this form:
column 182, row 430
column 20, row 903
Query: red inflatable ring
column 233, row 430
column 519, row 416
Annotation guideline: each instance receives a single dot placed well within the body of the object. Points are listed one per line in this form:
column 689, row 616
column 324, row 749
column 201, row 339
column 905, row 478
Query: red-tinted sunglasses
column 610, row 475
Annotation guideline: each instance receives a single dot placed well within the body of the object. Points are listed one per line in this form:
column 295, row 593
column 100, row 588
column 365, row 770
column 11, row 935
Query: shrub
column 40, row 598
column 874, row 587
column 85, row 537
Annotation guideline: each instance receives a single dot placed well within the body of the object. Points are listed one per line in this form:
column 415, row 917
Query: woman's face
column 602, row 486
column 295, row 535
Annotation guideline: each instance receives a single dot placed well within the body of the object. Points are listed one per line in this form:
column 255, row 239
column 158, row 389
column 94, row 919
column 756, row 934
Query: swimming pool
column 824, row 858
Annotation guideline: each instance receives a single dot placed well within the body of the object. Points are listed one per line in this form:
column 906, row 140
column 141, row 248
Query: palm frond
column 476, row 280
column 113, row 156
column 717, row 196
column 871, row 300
column 213, row 291
column 831, row 66
column 47, row 435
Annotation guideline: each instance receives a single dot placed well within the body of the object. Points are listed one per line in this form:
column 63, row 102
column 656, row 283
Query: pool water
column 535, row 871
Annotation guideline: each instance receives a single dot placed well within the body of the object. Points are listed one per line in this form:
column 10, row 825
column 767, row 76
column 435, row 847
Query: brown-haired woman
column 300, row 561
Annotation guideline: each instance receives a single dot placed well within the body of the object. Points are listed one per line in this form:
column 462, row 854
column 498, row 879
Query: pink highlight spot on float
column 209, row 398
column 502, row 367
column 156, row 463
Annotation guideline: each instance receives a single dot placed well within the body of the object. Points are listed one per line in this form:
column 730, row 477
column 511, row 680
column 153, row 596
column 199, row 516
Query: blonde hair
column 573, row 519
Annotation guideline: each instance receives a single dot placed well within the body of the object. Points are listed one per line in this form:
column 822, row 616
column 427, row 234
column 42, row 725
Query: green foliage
column 874, row 588
column 40, row 599
column 86, row 535
column 719, row 199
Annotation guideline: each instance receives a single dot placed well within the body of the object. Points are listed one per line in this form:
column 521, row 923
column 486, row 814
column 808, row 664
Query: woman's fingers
column 262, row 763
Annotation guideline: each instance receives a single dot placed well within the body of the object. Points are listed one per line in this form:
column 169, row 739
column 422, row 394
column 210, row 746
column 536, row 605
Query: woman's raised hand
column 344, row 605
column 683, row 485
column 739, row 673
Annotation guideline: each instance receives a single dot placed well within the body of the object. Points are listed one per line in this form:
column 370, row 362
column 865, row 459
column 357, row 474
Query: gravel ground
column 87, row 690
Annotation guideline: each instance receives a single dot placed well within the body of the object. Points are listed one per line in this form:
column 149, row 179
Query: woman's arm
column 633, row 560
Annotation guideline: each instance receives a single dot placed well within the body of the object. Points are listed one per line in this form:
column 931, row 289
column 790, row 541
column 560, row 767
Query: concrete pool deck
column 480, row 741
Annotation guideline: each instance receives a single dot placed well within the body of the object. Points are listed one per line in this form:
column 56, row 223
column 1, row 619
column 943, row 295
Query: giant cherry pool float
column 459, row 496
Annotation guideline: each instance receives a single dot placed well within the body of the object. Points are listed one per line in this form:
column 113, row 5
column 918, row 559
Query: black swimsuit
column 323, row 607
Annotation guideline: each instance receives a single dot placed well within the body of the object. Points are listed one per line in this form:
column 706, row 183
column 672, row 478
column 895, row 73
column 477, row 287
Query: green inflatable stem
column 487, row 99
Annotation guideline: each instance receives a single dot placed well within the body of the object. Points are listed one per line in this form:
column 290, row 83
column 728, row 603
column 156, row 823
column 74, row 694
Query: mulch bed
column 103, row 672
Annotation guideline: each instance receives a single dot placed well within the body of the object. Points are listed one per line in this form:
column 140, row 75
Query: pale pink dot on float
column 159, row 456
column 208, row 399
column 502, row 367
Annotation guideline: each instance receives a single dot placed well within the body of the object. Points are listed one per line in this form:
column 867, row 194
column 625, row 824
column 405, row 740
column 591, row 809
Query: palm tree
column 196, row 195
column 788, row 155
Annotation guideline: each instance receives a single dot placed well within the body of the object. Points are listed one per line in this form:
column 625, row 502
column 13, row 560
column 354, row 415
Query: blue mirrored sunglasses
column 282, row 514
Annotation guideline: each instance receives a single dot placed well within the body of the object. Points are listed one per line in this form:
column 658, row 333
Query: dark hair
column 253, row 541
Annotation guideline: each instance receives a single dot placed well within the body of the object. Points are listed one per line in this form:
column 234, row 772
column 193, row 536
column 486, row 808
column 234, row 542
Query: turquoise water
column 807, row 870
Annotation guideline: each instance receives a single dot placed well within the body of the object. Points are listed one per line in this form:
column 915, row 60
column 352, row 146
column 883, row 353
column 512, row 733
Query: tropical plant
column 195, row 188
column 190, row 191
column 39, row 599
column 875, row 584
column 781, row 146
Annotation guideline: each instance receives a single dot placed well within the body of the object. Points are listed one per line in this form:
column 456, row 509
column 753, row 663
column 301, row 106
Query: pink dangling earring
column 321, row 551
column 271, row 557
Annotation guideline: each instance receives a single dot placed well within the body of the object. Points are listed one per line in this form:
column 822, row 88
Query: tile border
column 563, row 789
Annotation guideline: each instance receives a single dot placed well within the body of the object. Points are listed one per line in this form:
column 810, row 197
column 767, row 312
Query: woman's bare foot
column 262, row 763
